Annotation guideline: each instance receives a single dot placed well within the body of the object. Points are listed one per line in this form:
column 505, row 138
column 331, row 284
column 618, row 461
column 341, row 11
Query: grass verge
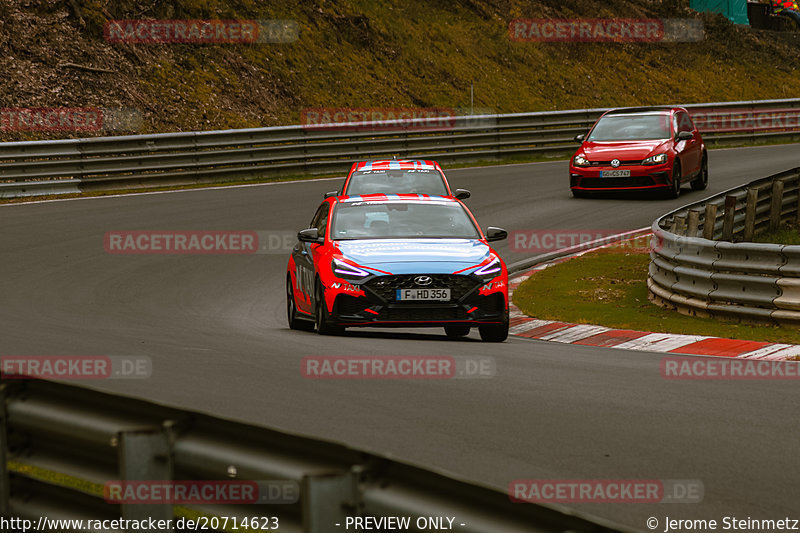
column 786, row 234
column 609, row 287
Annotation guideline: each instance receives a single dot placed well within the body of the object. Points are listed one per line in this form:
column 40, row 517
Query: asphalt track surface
column 216, row 331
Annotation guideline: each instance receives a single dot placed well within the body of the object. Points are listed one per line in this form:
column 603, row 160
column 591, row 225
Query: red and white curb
column 626, row 339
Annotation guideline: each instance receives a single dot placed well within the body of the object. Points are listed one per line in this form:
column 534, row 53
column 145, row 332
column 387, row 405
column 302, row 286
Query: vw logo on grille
column 423, row 280
column 615, row 163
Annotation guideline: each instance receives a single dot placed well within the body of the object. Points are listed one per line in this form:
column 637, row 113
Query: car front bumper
column 641, row 177
column 473, row 303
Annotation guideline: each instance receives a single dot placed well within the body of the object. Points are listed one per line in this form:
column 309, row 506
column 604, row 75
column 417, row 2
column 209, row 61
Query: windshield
column 413, row 180
column 631, row 128
column 381, row 220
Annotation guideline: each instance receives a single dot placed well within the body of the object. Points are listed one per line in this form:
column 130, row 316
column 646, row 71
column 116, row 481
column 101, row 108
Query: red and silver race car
column 397, row 260
column 391, row 176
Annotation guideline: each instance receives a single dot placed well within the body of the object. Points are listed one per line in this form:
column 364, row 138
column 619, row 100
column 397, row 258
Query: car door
column 691, row 150
column 304, row 254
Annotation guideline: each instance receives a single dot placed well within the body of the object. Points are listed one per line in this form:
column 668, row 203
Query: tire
column 701, row 181
column 295, row 322
column 576, row 193
column 456, row 330
column 675, row 190
column 321, row 316
column 494, row 332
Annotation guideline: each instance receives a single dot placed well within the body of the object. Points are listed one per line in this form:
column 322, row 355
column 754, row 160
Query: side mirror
column 495, row 234
column 685, row 136
column 310, row 235
column 580, row 137
column 463, row 194
column 331, row 193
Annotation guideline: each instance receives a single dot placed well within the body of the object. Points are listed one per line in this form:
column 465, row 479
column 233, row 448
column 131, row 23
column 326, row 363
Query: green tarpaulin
column 735, row 10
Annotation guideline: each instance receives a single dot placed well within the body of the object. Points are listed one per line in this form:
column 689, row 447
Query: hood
column 623, row 150
column 403, row 256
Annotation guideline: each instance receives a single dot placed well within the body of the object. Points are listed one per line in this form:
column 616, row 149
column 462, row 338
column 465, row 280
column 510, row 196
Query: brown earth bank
column 397, row 54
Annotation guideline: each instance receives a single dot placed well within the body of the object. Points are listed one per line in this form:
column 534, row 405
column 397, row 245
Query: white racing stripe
column 574, row 334
column 527, row 326
column 660, row 342
column 516, row 282
column 773, row 352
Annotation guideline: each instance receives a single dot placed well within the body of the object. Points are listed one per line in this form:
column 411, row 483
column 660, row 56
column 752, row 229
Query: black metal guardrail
column 61, row 446
column 135, row 161
column 703, row 263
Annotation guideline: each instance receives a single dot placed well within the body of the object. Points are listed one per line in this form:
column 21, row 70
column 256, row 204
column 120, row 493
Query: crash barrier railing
column 703, row 263
column 62, row 445
column 77, row 165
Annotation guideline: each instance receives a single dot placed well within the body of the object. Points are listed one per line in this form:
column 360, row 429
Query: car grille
column 491, row 305
column 385, row 286
column 350, row 305
column 621, row 163
column 610, row 183
column 432, row 314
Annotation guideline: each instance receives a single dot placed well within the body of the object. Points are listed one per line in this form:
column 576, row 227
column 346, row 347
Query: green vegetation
column 96, row 489
column 787, row 234
column 609, row 288
column 360, row 53
column 55, row 478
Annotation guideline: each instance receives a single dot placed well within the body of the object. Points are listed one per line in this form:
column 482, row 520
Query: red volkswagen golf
column 639, row 149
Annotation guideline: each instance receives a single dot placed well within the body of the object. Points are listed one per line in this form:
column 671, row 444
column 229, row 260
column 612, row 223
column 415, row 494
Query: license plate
column 441, row 295
column 615, row 173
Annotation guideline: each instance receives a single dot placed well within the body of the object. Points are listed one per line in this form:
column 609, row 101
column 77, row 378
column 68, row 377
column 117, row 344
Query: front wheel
column 701, row 181
column 494, row 332
column 322, row 318
column 675, row 190
column 291, row 310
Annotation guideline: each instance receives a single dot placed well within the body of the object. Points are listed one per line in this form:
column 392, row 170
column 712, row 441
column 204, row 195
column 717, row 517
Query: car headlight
column 580, row 161
column 657, row 159
column 490, row 270
column 347, row 271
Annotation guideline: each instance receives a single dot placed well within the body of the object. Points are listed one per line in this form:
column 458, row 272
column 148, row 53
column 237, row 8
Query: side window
column 320, row 220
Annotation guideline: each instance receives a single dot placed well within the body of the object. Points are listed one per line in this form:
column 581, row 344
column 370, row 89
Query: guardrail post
column 797, row 205
column 145, row 455
column 750, row 214
column 680, row 225
column 710, row 221
column 693, row 223
column 776, row 205
column 328, row 499
column 5, row 489
column 727, row 218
